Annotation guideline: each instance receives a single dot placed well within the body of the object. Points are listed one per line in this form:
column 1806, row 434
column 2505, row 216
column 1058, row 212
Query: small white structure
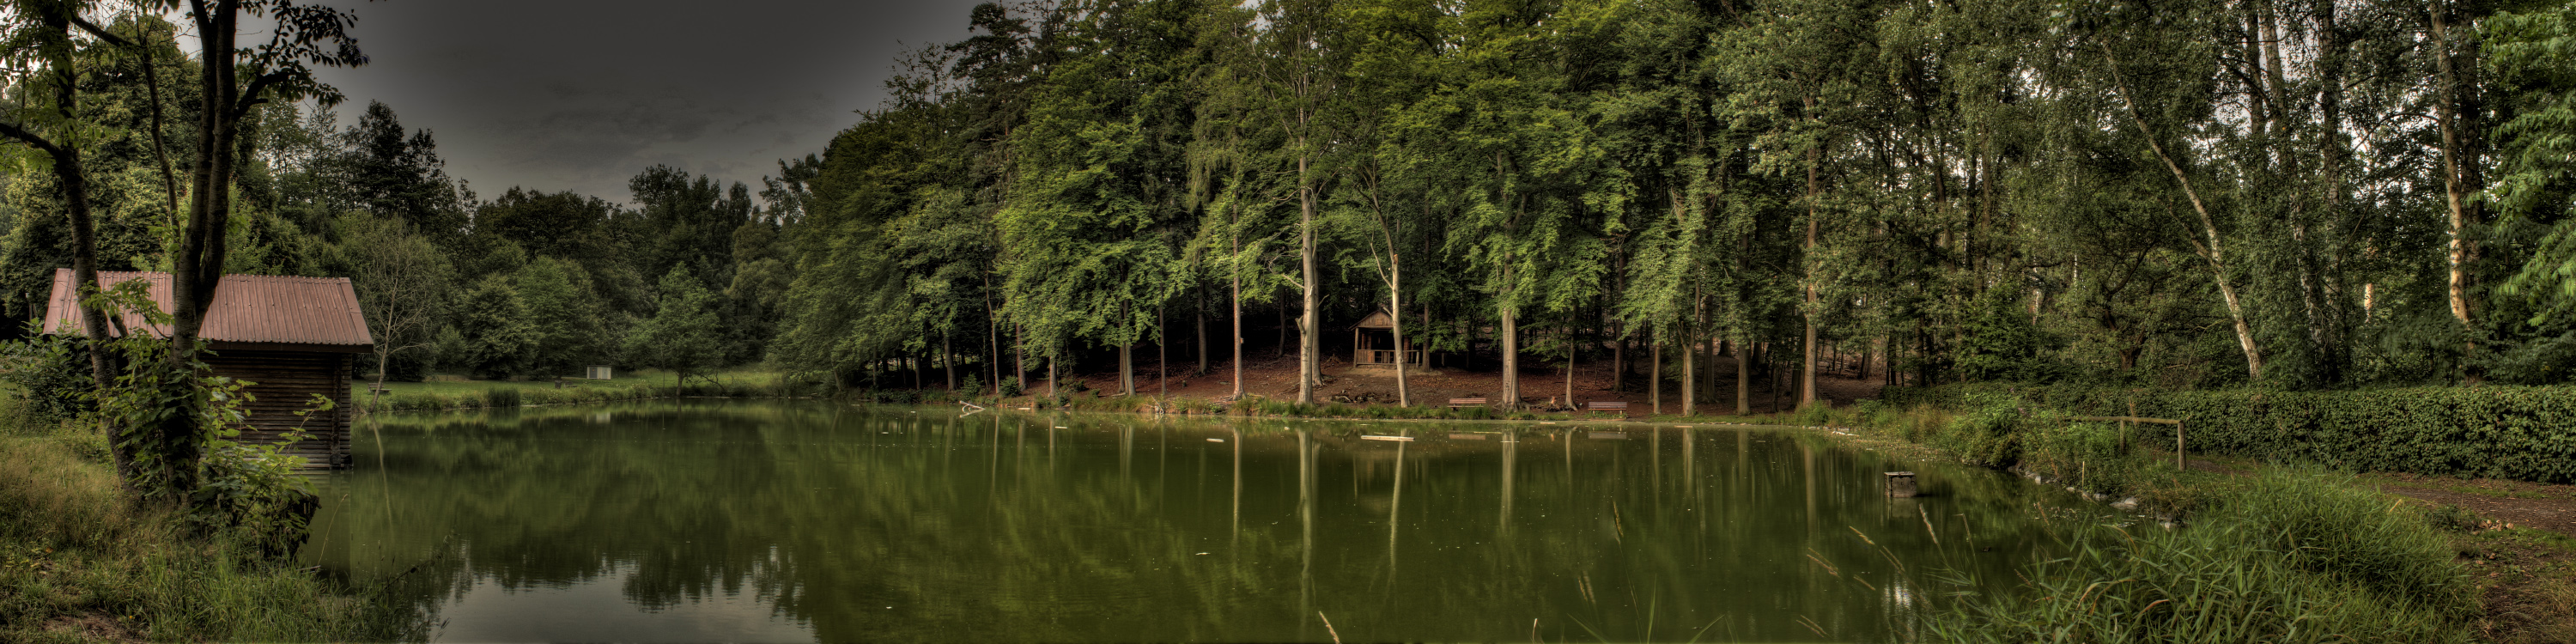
column 597, row 372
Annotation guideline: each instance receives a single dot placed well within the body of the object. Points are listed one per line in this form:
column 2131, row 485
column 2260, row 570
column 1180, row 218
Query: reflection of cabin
column 1374, row 342
column 292, row 337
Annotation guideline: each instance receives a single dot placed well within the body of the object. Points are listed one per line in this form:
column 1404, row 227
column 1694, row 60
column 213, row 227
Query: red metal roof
column 262, row 309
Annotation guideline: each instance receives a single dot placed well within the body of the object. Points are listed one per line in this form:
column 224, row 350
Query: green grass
column 2295, row 556
column 2289, row 554
column 79, row 562
column 454, row 385
column 449, row 393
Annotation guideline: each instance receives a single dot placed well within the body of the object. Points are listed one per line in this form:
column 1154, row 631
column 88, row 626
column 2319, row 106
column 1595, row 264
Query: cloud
column 566, row 95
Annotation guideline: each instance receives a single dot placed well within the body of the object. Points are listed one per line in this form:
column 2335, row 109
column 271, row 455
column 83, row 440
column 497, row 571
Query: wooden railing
column 1383, row 356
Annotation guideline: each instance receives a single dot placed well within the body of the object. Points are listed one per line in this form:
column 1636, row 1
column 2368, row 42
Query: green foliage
column 2507, row 432
column 48, row 374
column 2531, row 53
column 500, row 338
column 403, row 281
column 2000, row 342
column 564, row 326
column 683, row 335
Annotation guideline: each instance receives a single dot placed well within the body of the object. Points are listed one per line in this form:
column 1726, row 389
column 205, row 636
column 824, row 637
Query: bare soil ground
column 1270, row 375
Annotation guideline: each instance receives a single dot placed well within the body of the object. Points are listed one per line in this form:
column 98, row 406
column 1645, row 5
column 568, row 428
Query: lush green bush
column 47, row 374
column 2524, row 433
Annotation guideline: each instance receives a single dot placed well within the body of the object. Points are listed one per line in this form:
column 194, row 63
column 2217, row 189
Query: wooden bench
column 1455, row 403
column 1607, row 405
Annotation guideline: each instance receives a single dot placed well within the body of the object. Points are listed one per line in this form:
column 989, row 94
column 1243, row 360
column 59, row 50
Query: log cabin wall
column 284, row 383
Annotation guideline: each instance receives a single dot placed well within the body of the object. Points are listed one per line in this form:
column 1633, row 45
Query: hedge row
column 2521, row 433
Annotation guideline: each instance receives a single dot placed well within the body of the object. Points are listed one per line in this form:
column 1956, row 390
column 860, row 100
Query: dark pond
column 810, row 521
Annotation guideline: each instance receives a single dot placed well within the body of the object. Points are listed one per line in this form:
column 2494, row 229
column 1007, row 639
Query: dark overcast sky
column 580, row 96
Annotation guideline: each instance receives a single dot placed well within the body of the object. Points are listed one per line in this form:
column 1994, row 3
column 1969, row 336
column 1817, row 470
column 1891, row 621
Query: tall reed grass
column 2294, row 555
column 2289, row 554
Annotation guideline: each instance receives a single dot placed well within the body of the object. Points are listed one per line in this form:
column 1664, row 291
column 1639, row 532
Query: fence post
column 2178, row 462
column 2128, row 425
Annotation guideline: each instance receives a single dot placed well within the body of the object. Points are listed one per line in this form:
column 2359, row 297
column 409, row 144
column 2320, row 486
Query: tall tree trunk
column 1395, row 316
column 74, row 183
column 1807, row 359
column 198, row 269
column 1572, row 352
column 992, row 337
column 1690, row 375
column 2329, row 63
column 2455, row 186
column 1743, row 380
column 1126, row 364
column 1511, row 360
column 1619, row 364
column 1310, row 366
column 1162, row 357
column 1655, row 378
column 1235, row 283
column 2209, row 247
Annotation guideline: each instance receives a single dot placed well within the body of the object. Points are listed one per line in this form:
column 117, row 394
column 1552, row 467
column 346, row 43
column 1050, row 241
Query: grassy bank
column 2279, row 553
column 476, row 394
column 2289, row 555
column 78, row 563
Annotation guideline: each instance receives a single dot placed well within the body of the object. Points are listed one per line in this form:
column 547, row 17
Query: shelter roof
column 1376, row 320
column 262, row 311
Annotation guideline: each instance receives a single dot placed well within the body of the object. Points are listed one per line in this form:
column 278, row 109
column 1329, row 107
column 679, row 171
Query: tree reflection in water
column 885, row 523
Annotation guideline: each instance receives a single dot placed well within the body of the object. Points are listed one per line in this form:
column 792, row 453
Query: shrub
column 2522, row 433
column 47, row 374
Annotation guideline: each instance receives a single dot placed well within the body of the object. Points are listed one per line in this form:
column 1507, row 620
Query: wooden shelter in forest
column 1373, row 342
column 290, row 337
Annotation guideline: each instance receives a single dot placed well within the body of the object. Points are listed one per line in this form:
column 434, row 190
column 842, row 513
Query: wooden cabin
column 1373, row 342
column 291, row 337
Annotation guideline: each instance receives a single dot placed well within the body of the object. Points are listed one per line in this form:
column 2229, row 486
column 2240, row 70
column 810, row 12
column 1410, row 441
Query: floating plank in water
column 1216, row 440
column 1387, row 438
column 1610, row 435
column 1466, row 437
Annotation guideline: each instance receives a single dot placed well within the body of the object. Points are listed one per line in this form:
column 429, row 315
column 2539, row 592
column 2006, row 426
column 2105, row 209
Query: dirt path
column 2521, row 504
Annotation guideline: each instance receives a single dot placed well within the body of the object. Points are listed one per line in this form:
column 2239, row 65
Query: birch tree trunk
column 1310, row 366
column 2210, row 248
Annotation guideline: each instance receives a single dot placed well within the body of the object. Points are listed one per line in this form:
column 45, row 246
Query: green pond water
column 810, row 521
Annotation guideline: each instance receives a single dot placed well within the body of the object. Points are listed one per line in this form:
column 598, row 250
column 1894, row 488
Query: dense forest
column 682, row 273
column 2173, row 193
